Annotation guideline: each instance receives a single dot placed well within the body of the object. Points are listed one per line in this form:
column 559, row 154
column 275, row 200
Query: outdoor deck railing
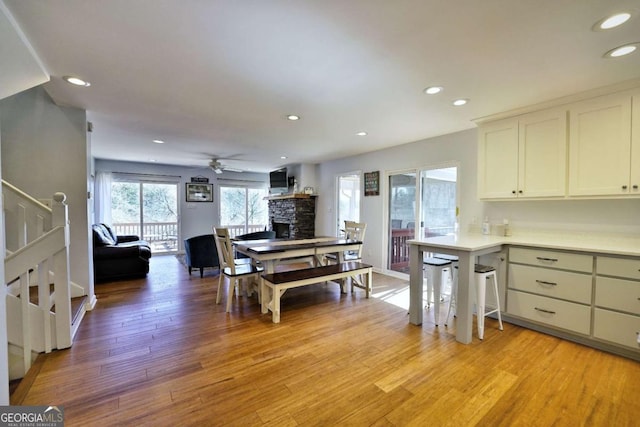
column 163, row 236
column 399, row 250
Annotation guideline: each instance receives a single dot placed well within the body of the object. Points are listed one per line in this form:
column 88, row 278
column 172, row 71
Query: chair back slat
column 355, row 230
column 225, row 249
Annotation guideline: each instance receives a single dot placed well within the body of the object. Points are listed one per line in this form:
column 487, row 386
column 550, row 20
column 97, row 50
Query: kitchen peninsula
column 595, row 291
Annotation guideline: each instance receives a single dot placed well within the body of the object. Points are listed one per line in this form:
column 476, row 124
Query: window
column 243, row 209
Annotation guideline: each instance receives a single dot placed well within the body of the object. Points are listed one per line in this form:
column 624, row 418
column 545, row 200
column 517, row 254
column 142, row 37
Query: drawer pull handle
column 544, row 311
column 542, row 282
column 547, row 259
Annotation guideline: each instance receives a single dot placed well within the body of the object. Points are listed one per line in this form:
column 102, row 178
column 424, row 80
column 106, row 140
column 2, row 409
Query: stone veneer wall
column 299, row 213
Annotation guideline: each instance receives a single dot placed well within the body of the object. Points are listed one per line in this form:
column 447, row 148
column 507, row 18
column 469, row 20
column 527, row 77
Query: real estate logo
column 31, row 416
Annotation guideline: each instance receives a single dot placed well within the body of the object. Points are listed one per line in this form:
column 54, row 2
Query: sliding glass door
column 148, row 210
column 402, row 219
column 439, row 201
column 348, row 200
column 421, row 208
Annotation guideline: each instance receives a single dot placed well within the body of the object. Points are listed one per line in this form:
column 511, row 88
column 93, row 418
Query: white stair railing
column 37, row 242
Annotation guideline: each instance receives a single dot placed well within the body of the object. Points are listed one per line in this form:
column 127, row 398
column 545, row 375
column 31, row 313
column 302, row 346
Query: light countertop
column 585, row 242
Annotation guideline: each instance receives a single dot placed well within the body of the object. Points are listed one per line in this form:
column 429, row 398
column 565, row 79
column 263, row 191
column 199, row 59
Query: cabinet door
column 600, row 146
column 498, row 160
column 635, row 146
column 543, row 154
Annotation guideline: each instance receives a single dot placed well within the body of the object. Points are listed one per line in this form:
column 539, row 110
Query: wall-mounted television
column 278, row 181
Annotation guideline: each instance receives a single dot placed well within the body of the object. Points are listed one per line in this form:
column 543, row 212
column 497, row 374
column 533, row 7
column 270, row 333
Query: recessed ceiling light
column 612, row 21
column 158, row 141
column 460, row 102
column 622, row 50
column 76, row 81
column 152, row 160
column 293, row 117
column 361, row 133
column 432, row 90
column 283, row 157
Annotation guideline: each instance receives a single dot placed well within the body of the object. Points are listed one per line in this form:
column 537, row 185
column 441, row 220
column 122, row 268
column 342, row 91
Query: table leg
column 464, row 303
column 344, row 283
column 415, row 284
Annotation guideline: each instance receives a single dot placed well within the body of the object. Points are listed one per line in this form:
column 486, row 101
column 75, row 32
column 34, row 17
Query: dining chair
column 355, row 231
column 236, row 273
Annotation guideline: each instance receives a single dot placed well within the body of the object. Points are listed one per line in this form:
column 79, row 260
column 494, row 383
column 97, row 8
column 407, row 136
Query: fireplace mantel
column 291, row 196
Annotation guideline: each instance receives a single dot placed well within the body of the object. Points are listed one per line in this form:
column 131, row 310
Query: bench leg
column 264, row 290
column 275, row 309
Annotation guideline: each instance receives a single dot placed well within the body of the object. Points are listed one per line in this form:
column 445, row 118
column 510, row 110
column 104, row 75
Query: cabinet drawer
column 618, row 294
column 617, row 327
column 620, row 267
column 553, row 283
column 552, row 259
column 553, row 312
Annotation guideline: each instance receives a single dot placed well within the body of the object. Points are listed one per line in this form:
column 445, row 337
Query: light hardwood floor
column 161, row 352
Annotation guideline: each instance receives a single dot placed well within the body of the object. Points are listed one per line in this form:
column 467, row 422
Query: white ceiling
column 217, row 78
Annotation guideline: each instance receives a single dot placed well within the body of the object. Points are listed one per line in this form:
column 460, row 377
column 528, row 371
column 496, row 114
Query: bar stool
column 453, row 273
column 434, row 267
column 482, row 274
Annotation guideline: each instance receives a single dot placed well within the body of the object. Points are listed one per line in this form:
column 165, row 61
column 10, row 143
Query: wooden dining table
column 271, row 252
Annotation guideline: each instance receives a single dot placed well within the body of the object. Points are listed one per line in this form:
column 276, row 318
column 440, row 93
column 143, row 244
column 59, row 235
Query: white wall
column 44, row 150
column 4, row 354
column 195, row 218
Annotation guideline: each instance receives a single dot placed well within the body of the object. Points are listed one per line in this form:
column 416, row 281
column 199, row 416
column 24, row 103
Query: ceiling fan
column 217, row 167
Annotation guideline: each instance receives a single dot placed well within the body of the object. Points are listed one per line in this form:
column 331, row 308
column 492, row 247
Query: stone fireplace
column 293, row 216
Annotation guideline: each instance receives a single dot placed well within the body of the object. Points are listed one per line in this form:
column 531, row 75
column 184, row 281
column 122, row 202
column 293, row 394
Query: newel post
column 62, row 284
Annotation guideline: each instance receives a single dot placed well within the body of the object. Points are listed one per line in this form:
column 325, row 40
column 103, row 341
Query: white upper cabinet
column 498, row 160
column 600, row 152
column 523, row 157
column 634, row 182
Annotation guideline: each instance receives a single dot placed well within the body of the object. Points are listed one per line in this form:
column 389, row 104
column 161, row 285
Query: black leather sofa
column 118, row 257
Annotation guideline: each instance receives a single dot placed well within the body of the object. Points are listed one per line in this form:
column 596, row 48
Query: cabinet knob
column 624, row 187
column 520, row 192
column 635, row 186
column 513, row 192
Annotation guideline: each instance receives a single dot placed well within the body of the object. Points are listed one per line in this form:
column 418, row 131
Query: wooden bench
column 278, row 283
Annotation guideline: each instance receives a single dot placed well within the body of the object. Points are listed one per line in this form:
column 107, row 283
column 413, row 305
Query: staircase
column 39, row 290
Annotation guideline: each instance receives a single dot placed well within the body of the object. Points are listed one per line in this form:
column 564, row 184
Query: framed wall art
column 199, row 192
column 372, row 183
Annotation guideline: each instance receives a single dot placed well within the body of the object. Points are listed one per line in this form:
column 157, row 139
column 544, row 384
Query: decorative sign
column 200, row 179
column 199, row 192
column 372, row 183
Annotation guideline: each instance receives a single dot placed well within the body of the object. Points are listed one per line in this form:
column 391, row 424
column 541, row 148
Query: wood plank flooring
column 161, row 352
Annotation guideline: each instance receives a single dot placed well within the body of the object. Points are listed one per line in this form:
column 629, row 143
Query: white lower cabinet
column 552, row 288
column 617, row 301
column 592, row 298
column 551, row 283
column 550, row 311
column 619, row 328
